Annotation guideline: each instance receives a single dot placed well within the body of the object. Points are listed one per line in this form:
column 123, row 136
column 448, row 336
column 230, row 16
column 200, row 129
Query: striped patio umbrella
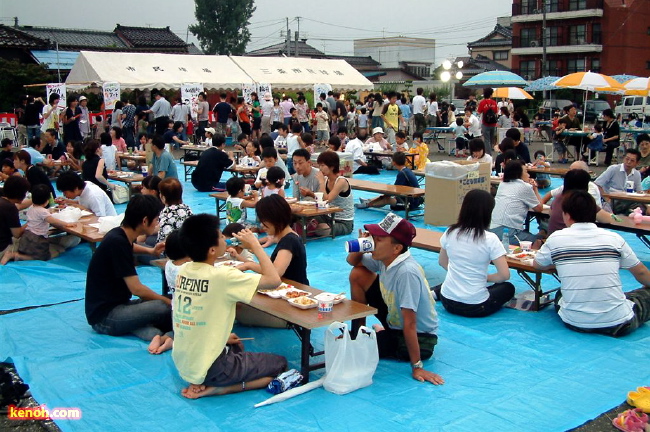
column 637, row 86
column 589, row 81
column 542, row 84
column 496, row 79
column 511, row 93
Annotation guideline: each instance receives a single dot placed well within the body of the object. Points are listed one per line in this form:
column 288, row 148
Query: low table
column 301, row 321
column 430, row 240
column 404, row 192
column 129, row 180
column 84, row 231
column 303, row 213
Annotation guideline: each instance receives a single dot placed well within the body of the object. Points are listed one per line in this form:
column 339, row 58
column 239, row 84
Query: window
column 527, row 69
column 552, row 5
column 649, row 30
column 575, row 65
column 577, row 4
column 596, row 35
column 528, row 6
column 500, row 55
column 528, row 37
column 578, row 34
column 552, row 36
column 554, row 67
column 595, row 65
column 647, row 65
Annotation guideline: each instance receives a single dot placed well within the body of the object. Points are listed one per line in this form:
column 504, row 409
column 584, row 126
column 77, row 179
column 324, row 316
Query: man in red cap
column 400, row 293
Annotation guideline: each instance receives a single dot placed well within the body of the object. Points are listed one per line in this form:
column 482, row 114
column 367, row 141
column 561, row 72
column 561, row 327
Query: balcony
column 555, row 45
column 560, row 10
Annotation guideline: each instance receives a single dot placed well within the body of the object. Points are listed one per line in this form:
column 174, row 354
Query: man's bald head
column 581, row 165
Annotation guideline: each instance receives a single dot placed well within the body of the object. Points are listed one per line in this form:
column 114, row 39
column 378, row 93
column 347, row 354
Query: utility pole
column 544, row 30
column 287, row 42
column 297, row 37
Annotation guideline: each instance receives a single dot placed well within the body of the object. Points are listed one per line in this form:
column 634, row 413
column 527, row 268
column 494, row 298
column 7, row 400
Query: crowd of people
column 197, row 320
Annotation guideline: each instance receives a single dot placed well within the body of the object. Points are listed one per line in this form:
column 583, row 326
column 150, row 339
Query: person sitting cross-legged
column 587, row 260
column 206, row 352
column 390, row 280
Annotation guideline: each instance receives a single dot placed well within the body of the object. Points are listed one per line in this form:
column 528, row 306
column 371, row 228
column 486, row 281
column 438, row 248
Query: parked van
column 594, row 110
column 639, row 105
column 552, row 105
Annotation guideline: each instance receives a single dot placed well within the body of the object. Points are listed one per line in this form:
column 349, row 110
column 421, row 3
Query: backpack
column 490, row 117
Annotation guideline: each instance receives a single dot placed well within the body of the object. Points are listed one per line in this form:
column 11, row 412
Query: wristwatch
column 418, row 365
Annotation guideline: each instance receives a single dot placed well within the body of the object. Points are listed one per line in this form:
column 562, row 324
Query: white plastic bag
column 349, row 364
column 68, row 215
column 449, row 170
column 107, row 223
column 120, row 194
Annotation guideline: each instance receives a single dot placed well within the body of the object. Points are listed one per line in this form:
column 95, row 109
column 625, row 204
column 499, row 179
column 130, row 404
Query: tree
column 222, row 25
column 14, row 76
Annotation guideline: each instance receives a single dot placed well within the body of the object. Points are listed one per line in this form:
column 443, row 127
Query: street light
column 446, row 76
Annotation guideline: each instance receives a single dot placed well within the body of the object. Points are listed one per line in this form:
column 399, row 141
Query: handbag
column 349, row 364
column 120, row 194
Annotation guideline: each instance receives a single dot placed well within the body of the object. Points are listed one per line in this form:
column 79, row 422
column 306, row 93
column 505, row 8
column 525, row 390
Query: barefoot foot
column 167, row 344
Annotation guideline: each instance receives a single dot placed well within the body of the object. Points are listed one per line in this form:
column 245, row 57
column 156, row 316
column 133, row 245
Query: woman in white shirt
column 477, row 152
column 467, row 250
column 504, row 120
column 432, row 111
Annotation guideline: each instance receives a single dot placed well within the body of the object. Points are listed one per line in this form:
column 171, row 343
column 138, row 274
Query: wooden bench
column 430, row 240
column 188, row 167
column 374, row 157
column 303, row 213
column 402, row 192
column 302, row 321
column 84, row 231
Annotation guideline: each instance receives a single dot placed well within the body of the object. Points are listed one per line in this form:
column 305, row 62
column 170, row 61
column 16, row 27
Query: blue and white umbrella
column 496, row 79
column 623, row 77
column 542, row 84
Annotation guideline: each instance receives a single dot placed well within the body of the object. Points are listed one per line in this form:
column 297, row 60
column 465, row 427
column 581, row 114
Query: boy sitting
column 90, row 196
column 205, row 352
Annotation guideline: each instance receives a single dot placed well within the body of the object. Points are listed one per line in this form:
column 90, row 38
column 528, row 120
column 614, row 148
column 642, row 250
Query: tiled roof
column 479, row 64
column 75, row 38
column 193, row 49
column 13, row 38
column 356, row 61
column 149, row 37
column 304, row 50
column 505, row 32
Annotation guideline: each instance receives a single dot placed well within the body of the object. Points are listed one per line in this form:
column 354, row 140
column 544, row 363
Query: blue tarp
column 512, row 371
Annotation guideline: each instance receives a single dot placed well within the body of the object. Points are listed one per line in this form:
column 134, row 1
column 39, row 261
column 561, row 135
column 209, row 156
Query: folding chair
column 549, row 150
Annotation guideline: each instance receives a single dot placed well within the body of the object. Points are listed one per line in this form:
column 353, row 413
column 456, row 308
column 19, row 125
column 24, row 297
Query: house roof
column 475, row 65
column 194, row 50
column 149, row 37
column 56, row 59
column 304, row 50
column 490, row 40
column 13, row 38
column 75, row 38
column 357, row 61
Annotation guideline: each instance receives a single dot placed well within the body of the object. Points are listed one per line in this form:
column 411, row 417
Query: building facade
column 496, row 45
column 607, row 36
column 413, row 56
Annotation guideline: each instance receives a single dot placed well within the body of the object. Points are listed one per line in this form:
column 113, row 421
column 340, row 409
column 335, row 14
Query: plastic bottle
column 505, row 239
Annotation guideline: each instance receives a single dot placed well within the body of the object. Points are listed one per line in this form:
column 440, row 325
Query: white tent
column 295, row 73
column 148, row 71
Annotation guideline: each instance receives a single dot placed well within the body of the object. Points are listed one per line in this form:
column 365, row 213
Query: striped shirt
column 587, row 260
column 512, row 202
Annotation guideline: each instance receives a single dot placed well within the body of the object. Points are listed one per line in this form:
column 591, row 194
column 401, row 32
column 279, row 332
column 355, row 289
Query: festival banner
column 190, row 96
column 111, row 92
column 58, row 88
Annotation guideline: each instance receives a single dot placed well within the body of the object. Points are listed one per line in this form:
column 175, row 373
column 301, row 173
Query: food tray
column 292, row 292
column 295, row 302
column 307, row 203
column 338, row 298
column 229, row 263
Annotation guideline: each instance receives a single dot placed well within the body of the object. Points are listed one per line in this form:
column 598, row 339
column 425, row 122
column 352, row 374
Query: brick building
column 607, row 36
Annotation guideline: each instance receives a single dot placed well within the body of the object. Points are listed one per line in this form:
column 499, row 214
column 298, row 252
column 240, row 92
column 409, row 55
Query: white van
column 639, row 105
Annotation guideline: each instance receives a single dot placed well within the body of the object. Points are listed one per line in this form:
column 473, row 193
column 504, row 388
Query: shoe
column 362, row 204
column 633, row 420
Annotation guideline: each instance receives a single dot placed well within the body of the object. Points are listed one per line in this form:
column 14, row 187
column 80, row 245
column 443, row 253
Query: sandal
column 640, row 399
column 632, row 420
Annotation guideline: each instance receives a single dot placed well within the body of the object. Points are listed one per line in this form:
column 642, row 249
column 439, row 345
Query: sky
column 329, row 26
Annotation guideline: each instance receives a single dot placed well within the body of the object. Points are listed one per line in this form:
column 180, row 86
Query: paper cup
column 322, row 204
column 365, row 244
column 319, row 196
column 325, row 306
column 145, row 170
column 525, row 245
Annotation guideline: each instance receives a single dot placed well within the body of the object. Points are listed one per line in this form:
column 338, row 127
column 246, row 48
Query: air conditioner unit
column 534, row 44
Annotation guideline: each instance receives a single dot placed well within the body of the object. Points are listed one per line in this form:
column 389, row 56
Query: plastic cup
column 321, row 204
column 145, row 170
column 325, row 305
column 629, row 186
column 319, row 196
column 525, row 245
column 365, row 244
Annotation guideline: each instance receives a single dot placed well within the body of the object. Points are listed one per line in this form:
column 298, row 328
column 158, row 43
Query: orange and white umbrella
column 637, row 86
column 511, row 93
column 589, row 81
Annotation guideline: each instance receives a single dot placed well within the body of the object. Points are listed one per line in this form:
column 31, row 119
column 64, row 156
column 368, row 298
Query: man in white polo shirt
column 587, row 260
column 91, row 197
column 418, row 111
column 614, row 179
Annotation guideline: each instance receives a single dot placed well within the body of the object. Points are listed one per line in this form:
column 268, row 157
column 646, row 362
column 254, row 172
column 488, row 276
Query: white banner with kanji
column 58, row 88
column 190, row 96
column 111, row 92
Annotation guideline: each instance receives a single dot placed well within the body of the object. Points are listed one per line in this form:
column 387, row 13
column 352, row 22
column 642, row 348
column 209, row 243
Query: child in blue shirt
column 461, row 142
column 405, row 177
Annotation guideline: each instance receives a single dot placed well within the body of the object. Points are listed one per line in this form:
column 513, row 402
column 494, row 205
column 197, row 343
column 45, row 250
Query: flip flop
column 640, row 399
column 632, row 420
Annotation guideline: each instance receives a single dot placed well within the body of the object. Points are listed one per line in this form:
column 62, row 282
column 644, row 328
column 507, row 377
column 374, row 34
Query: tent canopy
column 149, row 71
column 295, row 73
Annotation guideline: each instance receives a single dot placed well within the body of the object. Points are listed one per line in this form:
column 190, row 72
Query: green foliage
column 14, row 76
column 222, row 25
